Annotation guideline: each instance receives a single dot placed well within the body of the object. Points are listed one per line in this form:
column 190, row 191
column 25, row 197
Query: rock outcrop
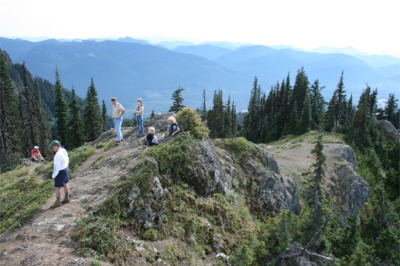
column 349, row 190
column 207, row 173
column 388, row 129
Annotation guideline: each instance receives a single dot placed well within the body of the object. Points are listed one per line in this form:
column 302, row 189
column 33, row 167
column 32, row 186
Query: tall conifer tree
column 28, row 113
column 204, row 107
column 216, row 116
column 104, row 117
column 391, row 108
column 10, row 131
column 42, row 125
column 61, row 111
column 92, row 114
column 177, row 100
column 251, row 122
column 300, row 90
column 340, row 101
column 76, row 135
column 234, row 120
column 317, row 103
column 305, row 119
column 228, row 119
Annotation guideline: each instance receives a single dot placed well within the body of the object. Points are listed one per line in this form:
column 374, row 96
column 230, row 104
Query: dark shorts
column 62, row 178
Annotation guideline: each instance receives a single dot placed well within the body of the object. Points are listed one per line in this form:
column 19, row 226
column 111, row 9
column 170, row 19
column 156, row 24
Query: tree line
column 33, row 111
column 371, row 236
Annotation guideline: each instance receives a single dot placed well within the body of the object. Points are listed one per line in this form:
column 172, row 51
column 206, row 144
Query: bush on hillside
column 189, row 120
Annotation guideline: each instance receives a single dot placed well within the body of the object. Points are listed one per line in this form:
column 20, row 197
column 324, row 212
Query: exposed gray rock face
column 274, row 192
column 348, row 189
column 268, row 160
column 145, row 205
column 211, row 167
column 388, row 129
column 146, row 208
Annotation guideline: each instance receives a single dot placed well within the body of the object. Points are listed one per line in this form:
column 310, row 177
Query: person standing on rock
column 139, row 116
column 60, row 173
column 117, row 112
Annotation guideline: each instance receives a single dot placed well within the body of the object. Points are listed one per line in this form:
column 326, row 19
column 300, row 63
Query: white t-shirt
column 61, row 161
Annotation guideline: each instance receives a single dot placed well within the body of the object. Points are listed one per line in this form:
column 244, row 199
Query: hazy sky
column 370, row 26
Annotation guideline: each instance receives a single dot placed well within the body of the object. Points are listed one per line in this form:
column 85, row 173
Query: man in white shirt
column 60, row 173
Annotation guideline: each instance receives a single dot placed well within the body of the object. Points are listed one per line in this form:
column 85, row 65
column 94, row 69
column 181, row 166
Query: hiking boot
column 117, row 143
column 56, row 204
column 65, row 201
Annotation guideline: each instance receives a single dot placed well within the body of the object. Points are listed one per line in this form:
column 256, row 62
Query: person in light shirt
column 60, row 173
column 117, row 115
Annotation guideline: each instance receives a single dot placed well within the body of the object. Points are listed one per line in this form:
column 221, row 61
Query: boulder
column 388, row 129
column 349, row 190
column 274, row 193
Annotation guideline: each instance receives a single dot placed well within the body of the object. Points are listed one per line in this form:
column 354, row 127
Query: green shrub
column 240, row 148
column 173, row 155
column 151, row 234
column 190, row 121
column 98, row 237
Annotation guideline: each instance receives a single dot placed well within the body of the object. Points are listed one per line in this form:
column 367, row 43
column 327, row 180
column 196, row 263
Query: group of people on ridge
column 151, row 139
column 61, row 160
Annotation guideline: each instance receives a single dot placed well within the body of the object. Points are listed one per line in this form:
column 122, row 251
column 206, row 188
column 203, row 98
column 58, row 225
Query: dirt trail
column 45, row 239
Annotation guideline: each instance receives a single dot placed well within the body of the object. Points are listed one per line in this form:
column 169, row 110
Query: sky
column 370, row 26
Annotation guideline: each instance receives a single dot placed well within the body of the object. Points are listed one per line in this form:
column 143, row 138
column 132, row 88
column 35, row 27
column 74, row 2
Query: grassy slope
column 23, row 193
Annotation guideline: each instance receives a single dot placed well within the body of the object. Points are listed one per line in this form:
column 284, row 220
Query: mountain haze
column 128, row 68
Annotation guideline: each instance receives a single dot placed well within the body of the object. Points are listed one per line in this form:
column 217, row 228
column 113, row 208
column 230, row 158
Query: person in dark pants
column 60, row 173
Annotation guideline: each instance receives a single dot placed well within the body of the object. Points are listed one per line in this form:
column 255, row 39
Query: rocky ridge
column 268, row 177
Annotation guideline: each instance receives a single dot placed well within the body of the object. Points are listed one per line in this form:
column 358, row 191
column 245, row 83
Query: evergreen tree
column 76, row 135
column 251, row 121
column 216, row 116
column 329, row 115
column 204, row 107
column 104, row 117
column 340, row 100
column 348, row 115
column 305, row 119
column 284, row 114
column 228, row 119
column 317, row 104
column 61, row 109
column 391, row 109
column 318, row 174
column 91, row 114
column 10, row 131
column 28, row 113
column 234, row 120
column 363, row 129
column 300, row 90
column 177, row 100
column 42, row 124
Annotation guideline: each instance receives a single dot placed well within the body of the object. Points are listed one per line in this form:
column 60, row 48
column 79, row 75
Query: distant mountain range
column 128, row 68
